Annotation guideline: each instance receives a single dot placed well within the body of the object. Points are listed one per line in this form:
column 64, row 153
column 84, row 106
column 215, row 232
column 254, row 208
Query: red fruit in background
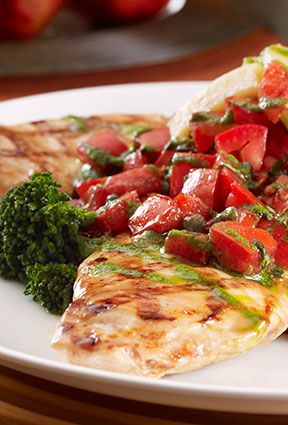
column 118, row 11
column 21, row 19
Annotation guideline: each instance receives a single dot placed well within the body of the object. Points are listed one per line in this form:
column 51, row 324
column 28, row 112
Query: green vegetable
column 250, row 106
column 276, row 168
column 87, row 172
column 239, row 238
column 194, row 223
column 180, row 144
column 229, row 214
column 102, row 157
column 77, row 123
column 135, row 131
column 226, row 118
column 38, row 225
column 51, row 285
column 271, row 102
column 261, row 211
column 242, row 169
column 195, row 162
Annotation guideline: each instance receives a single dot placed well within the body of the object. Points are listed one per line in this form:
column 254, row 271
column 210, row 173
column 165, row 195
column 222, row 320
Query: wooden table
column 27, row 400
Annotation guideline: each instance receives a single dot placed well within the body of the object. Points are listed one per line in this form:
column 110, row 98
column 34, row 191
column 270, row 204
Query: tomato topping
column 239, row 196
column 192, row 246
column 249, row 140
column 274, row 86
column 108, row 142
column 190, row 204
column 202, row 183
column 276, row 194
column 158, row 213
column 144, row 180
column 247, row 218
column 95, row 197
column 113, row 217
column 246, row 111
column 204, row 134
column 277, row 142
column 281, row 256
column 225, row 179
column 155, row 139
column 134, row 160
column 82, row 187
column 164, row 158
column 234, row 246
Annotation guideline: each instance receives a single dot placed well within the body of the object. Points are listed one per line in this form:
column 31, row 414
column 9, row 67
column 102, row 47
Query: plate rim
column 27, row 362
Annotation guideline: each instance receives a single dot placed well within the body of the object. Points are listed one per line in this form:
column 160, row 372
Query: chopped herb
column 264, row 276
column 195, row 162
column 271, row 102
column 107, row 267
column 246, row 104
column 87, row 172
column 195, row 239
column 242, row 169
column 102, row 157
column 135, row 131
column 76, row 123
column 261, row 211
column 208, row 117
column 229, row 214
column 239, row 238
column 132, row 207
column 194, row 223
column 149, row 239
column 147, row 149
column 180, row 144
column 276, row 168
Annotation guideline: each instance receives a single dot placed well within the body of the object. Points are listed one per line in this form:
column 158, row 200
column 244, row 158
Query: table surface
column 29, row 400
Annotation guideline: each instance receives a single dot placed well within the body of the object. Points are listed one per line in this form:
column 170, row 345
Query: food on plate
column 138, row 311
column 184, row 238
column 51, row 145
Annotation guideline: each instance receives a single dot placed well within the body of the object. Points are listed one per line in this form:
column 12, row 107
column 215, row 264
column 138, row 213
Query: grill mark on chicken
column 52, row 146
column 216, row 307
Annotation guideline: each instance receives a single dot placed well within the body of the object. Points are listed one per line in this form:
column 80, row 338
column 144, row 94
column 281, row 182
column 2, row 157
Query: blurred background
column 66, row 38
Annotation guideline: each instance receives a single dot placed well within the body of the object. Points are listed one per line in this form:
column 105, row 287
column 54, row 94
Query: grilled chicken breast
column 51, row 146
column 138, row 311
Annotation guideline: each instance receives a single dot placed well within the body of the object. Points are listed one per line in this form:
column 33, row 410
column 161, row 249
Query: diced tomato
column 95, row 197
column 156, row 139
column 144, row 180
column 277, row 142
column 225, row 179
column 232, row 244
column 108, row 142
column 249, row 140
column 202, row 183
column 114, row 218
column 82, row 187
column 274, row 85
column 242, row 115
column 247, row 218
column 158, row 213
column 204, row 134
column 190, row 204
column 281, row 256
column 189, row 245
column 279, row 231
column 178, row 174
column 240, row 196
column 134, row 160
column 276, row 194
column 164, row 158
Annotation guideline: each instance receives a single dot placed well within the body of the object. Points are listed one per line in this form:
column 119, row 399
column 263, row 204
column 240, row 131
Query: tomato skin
column 240, row 196
column 144, row 180
column 202, row 183
column 204, row 134
column 158, row 213
column 155, row 139
column 164, row 159
column 134, row 160
column 187, row 245
column 95, row 197
column 276, row 194
column 190, row 204
column 248, row 139
column 225, row 179
column 115, row 219
column 233, row 254
column 82, row 187
column 247, row 218
column 108, row 142
column 178, row 174
column 277, row 142
column 274, row 84
column 281, row 256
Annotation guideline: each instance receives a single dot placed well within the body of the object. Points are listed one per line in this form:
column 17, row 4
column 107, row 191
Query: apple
column 105, row 12
column 21, row 19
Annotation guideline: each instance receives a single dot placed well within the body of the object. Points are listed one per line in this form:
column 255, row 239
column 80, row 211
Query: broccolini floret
column 51, row 285
column 39, row 225
column 40, row 241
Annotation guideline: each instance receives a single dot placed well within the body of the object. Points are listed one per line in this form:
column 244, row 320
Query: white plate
column 256, row 382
